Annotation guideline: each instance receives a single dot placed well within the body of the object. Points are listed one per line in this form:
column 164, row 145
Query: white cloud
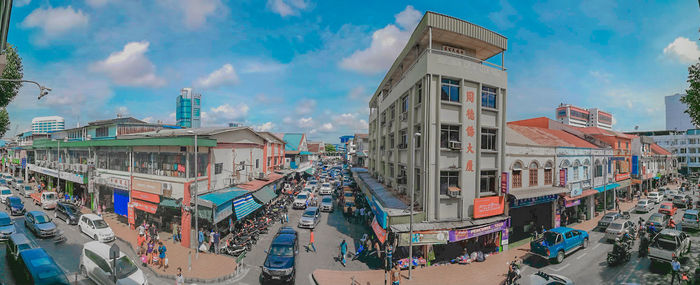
column 122, row 110
column 305, row 122
column 351, row 121
column 601, row 75
column 55, row 21
column 197, row 11
column 225, row 114
column 97, row 3
column 386, row 45
column 684, row 50
column 287, row 120
column 287, row 7
column 226, row 75
column 130, row 66
column 306, row 106
column 327, row 127
column 149, row 119
column 21, row 3
column 358, row 93
column 265, row 127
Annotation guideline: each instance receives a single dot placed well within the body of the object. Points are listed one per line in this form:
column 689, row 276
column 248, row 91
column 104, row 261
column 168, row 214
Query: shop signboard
column 145, row 206
column 153, row 187
column 131, row 215
column 73, row 177
column 24, row 162
column 622, row 176
column 145, row 196
column 504, row 182
column 424, row 237
column 577, row 191
column 562, row 177
column 223, row 211
column 533, row 201
column 635, row 164
column 457, row 235
column 572, row 203
column 487, row 207
column 378, row 230
column 382, row 216
column 114, row 181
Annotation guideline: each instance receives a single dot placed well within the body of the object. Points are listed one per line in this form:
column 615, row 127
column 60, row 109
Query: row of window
column 452, row 133
column 533, row 177
column 487, row 181
column 450, row 91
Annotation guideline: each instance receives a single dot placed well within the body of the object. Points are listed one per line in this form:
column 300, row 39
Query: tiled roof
column 361, row 136
column 547, row 137
column 599, row 131
column 257, row 184
column 659, row 150
column 313, row 147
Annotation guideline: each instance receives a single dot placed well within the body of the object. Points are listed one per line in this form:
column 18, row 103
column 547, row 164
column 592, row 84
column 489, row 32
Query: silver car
column 7, row 226
column 644, row 205
column 327, row 204
column 618, row 228
column 310, row 218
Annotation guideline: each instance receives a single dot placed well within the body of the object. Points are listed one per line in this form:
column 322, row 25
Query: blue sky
column 304, row 65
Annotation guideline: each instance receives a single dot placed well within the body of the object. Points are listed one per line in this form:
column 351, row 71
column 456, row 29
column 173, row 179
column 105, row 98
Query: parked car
column 668, row 208
column 15, row 244
column 95, row 227
column 558, row 242
column 668, row 243
column 681, row 201
column 4, row 193
column 301, row 201
column 313, row 184
column 280, row 263
column 669, row 194
column 310, row 218
column 327, row 204
column 69, row 213
column 40, row 224
column 286, row 230
column 26, row 191
column 15, row 206
column 607, row 219
column 17, row 183
column 644, row 205
column 326, row 189
column 96, row 265
column 620, row 227
column 36, row 267
column 542, row 278
column 7, row 226
column 691, row 220
column 659, row 220
column 655, row 197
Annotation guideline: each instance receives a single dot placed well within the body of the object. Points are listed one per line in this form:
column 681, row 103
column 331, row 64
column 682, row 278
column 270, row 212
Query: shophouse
column 296, row 152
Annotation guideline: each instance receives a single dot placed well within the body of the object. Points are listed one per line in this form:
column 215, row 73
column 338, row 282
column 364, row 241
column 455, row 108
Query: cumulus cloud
column 197, row 11
column 97, row 3
column 683, row 50
column 122, row 110
column 130, row 66
column 287, row 120
column 226, row 113
column 351, row 121
column 327, row 127
column 226, row 75
column 265, row 127
column 55, row 21
column 305, row 122
column 306, row 106
column 286, row 8
column 386, row 44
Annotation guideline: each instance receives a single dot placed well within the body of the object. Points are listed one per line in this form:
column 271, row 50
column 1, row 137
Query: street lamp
column 196, row 196
column 416, row 136
column 43, row 90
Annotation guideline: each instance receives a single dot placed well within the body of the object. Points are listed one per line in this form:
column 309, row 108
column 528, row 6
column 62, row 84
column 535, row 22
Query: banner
column 145, row 196
column 144, row 206
column 424, row 237
column 504, row 183
column 131, row 214
column 379, row 213
column 148, row 186
column 457, row 235
column 378, row 230
column 489, row 206
column 562, row 177
column 572, row 203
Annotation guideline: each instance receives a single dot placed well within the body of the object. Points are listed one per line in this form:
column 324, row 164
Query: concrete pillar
column 591, row 206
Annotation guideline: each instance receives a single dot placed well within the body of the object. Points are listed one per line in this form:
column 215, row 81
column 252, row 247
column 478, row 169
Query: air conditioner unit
column 261, row 176
column 404, row 116
column 455, row 145
column 454, row 194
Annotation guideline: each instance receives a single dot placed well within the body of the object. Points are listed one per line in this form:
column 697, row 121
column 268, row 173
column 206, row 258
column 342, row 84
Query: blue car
column 35, row 266
column 40, row 224
column 280, row 263
column 556, row 243
column 7, row 226
column 15, row 206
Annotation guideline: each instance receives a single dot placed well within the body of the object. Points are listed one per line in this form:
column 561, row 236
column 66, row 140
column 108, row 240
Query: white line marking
column 596, row 246
column 560, row 268
column 582, row 255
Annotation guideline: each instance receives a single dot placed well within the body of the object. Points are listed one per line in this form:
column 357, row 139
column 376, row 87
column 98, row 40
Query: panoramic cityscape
column 321, row 143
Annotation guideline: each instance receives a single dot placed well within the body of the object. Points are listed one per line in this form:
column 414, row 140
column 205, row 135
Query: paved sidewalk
column 491, row 271
column 208, row 267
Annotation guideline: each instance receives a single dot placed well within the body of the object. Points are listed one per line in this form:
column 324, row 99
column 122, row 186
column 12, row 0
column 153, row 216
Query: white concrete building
column 45, row 125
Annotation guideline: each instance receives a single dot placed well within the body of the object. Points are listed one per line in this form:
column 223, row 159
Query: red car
column 668, row 208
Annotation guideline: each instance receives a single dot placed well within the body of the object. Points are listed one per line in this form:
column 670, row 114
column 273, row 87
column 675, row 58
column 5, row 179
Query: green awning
column 310, row 171
column 169, row 203
column 264, row 195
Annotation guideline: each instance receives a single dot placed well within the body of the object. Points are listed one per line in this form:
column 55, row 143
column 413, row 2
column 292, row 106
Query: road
column 589, row 266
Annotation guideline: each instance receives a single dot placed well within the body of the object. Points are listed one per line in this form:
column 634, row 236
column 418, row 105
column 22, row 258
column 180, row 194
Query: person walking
column 311, row 241
column 211, row 240
column 676, row 268
column 161, row 255
column 201, row 239
column 396, row 275
column 217, row 239
column 343, row 251
column 617, row 204
column 179, row 279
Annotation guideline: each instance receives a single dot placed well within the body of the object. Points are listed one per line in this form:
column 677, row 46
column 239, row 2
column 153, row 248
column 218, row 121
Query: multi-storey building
column 580, row 117
column 45, row 125
column 436, row 129
column 650, row 163
column 684, row 146
column 676, row 117
column 188, row 109
column 359, row 156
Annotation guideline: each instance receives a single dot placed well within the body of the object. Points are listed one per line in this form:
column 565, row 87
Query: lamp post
column 416, row 136
column 196, row 196
column 43, row 90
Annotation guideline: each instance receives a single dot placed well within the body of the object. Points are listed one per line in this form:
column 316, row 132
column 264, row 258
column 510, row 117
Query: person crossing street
column 311, row 241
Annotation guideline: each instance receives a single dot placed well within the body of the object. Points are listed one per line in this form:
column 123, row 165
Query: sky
column 311, row 66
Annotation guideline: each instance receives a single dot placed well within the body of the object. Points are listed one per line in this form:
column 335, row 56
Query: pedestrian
column 343, row 251
column 211, row 240
column 201, row 239
column 676, row 267
column 617, row 204
column 150, row 251
column 179, row 279
column 161, row 255
column 217, row 239
column 311, row 241
column 140, row 241
column 153, row 231
column 396, row 275
column 142, row 228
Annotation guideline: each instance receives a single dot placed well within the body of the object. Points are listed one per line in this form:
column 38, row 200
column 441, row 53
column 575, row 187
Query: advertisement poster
column 504, row 182
column 489, row 206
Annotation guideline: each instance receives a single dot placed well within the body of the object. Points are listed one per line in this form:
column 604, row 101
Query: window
column 448, row 133
column 682, row 150
column 585, row 172
column 102, row 132
column 598, row 169
column 548, row 176
column 392, row 112
column 618, row 144
column 417, row 141
column 575, row 173
column 257, row 163
column 404, row 138
column 416, row 184
column 448, row 179
column 488, row 97
column 218, row 168
column 419, row 93
column 391, row 140
column 404, row 104
column 627, row 145
column 450, row 90
column 517, row 178
column 488, row 181
column 533, row 174
column 488, row 139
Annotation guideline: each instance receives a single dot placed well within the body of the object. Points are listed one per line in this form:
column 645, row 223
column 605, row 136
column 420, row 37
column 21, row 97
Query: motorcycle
column 513, row 273
column 621, row 253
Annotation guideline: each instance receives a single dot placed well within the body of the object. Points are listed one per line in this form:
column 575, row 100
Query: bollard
column 189, row 261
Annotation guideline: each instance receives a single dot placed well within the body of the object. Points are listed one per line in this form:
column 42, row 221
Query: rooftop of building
column 292, row 142
column 48, row 118
column 314, row 147
column 655, row 148
column 271, row 137
column 549, row 137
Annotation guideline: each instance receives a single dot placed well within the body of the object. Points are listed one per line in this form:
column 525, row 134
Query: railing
column 469, row 58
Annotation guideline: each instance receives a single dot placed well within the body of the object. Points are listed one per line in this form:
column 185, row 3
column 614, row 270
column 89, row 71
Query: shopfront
column 113, row 194
column 605, row 198
column 529, row 214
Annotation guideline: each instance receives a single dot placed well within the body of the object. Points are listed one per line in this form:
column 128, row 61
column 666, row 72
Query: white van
column 96, row 265
column 655, row 197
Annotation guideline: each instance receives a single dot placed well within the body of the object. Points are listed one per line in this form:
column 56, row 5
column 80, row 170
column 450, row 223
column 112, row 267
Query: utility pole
column 410, row 207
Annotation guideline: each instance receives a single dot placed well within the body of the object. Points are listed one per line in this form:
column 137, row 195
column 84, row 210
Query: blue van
column 35, row 266
column 280, row 263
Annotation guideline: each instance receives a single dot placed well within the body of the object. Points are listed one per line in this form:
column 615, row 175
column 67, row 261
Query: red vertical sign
column 562, row 177
column 504, row 182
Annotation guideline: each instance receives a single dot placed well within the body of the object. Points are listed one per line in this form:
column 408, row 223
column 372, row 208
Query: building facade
column 188, row 109
column 684, row 147
column 676, row 117
column 45, row 125
column 580, row 117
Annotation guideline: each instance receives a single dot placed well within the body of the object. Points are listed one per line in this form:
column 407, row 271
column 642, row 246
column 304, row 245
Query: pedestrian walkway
column 491, row 271
column 207, row 267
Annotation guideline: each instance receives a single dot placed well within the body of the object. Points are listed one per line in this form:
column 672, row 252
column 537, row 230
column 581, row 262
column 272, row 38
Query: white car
column 96, row 228
column 655, row 197
column 326, row 189
column 644, row 205
column 301, row 201
column 17, row 183
column 313, row 184
column 4, row 193
column 669, row 194
column 94, row 260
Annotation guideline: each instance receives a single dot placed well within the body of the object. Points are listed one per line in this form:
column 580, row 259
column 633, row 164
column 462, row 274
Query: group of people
column 150, row 247
column 209, row 242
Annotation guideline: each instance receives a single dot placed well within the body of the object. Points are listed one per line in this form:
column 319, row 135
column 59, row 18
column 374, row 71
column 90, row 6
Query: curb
column 187, row 280
column 313, row 277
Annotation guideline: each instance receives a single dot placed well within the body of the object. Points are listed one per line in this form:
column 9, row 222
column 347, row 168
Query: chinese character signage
column 487, row 207
column 504, row 182
column 469, row 142
column 457, row 235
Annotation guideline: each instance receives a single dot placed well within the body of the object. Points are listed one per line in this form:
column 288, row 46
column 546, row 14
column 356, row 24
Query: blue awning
column 244, row 206
column 607, row 187
column 305, row 153
column 219, row 198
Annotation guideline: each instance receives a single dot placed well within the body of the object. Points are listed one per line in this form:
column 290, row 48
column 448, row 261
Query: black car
column 15, row 206
column 67, row 212
column 280, row 263
column 607, row 219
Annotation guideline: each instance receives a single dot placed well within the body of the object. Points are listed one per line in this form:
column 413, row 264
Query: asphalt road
column 589, row 266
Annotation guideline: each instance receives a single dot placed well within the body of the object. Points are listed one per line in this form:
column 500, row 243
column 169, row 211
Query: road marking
column 560, row 268
column 596, row 246
column 582, row 255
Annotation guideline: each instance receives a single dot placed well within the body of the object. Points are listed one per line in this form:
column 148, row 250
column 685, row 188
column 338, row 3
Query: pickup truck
column 668, row 243
column 558, row 242
column 47, row 200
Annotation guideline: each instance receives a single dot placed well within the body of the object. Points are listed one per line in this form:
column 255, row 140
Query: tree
column 8, row 90
column 330, row 148
column 692, row 94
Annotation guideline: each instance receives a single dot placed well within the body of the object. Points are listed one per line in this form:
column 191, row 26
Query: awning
column 526, row 194
column 310, row 171
column 584, row 194
column 244, row 206
column 218, row 198
column 305, row 153
column 607, row 187
column 265, row 195
column 425, row 226
column 169, row 203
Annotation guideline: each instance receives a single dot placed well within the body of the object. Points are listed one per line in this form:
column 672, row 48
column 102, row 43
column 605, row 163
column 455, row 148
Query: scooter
column 620, row 254
column 513, row 273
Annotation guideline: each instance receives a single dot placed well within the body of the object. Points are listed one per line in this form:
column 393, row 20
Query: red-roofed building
column 650, row 163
